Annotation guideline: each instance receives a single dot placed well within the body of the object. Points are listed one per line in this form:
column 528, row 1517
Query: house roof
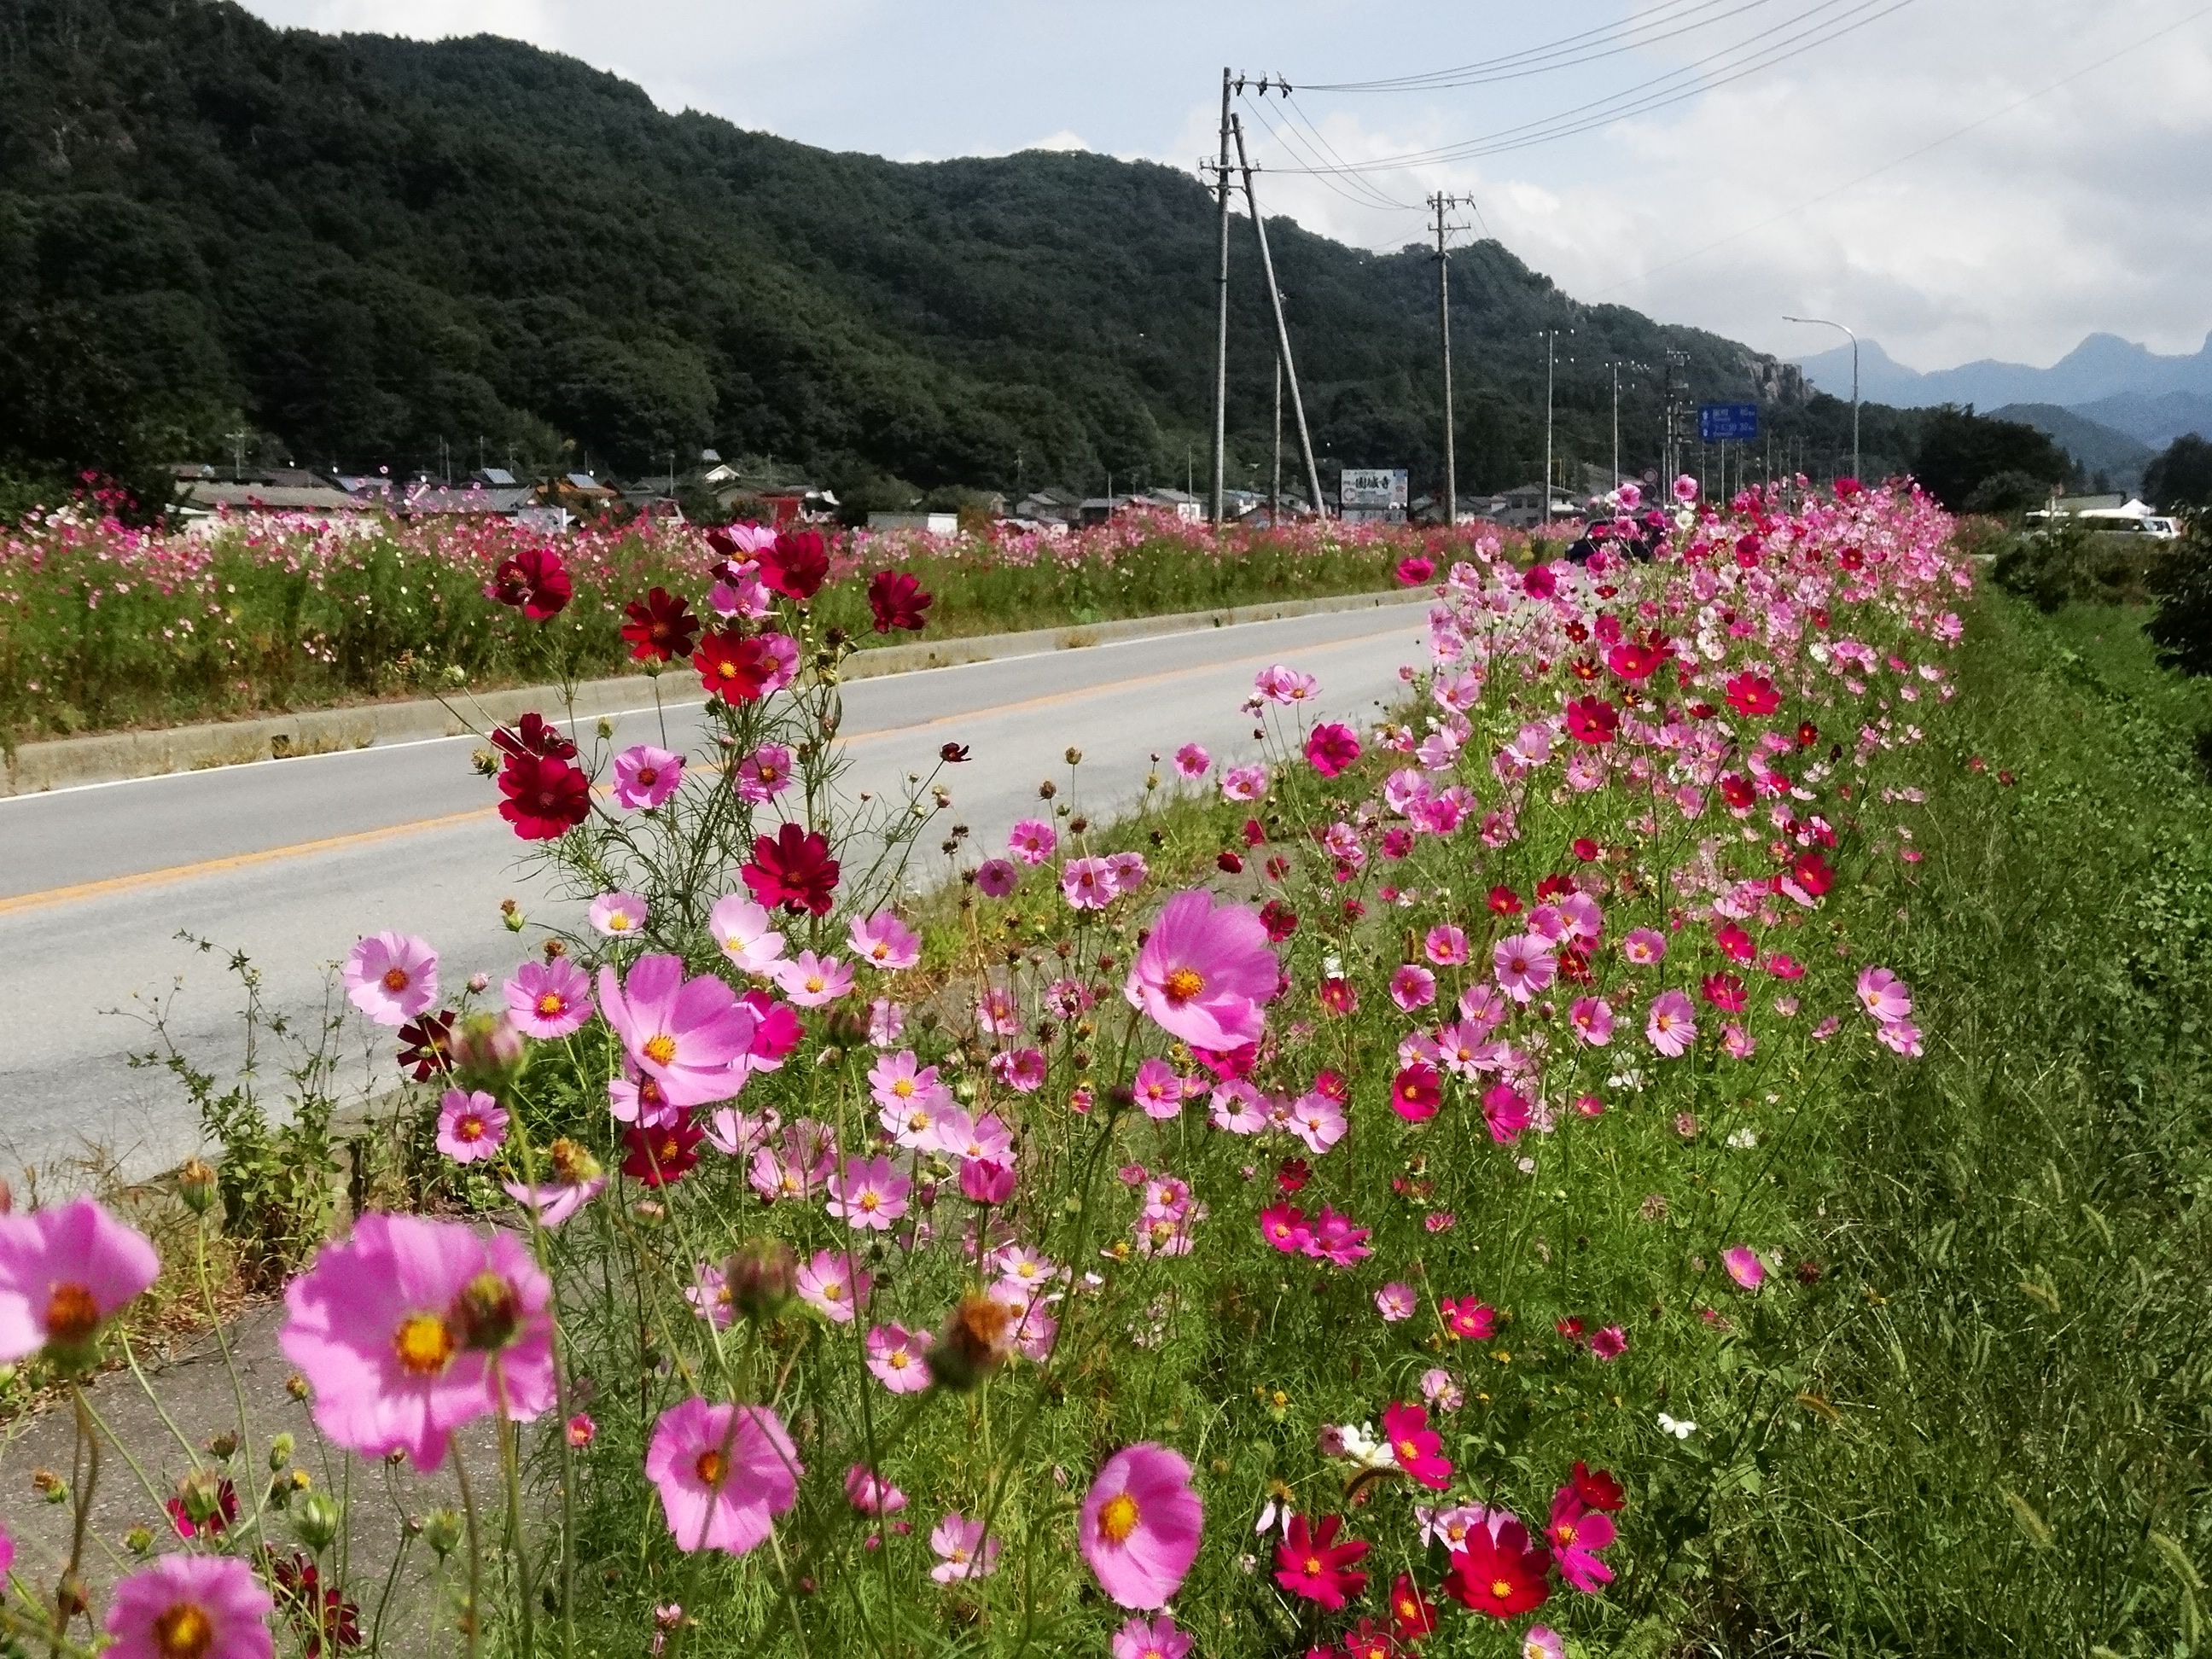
column 212, row 493
column 473, row 498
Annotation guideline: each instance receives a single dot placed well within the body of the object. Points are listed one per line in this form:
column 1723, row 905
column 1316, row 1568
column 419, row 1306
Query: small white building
column 931, row 523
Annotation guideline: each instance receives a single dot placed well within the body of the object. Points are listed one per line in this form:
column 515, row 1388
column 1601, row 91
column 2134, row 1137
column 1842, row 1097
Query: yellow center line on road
column 109, row 886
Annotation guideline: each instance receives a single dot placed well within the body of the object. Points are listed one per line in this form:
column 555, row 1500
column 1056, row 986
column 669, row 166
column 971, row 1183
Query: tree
column 2181, row 626
column 1960, row 452
column 2181, row 478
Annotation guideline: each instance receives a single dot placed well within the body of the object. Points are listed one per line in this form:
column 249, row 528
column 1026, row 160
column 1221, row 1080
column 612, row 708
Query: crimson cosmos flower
column 1598, row 1488
column 426, row 1044
column 735, row 667
column 660, row 627
column 324, row 1618
column 1753, row 694
column 898, row 601
column 533, row 734
column 545, row 798
column 1592, row 721
column 1311, row 1562
column 1331, row 748
column 533, row 581
column 793, row 868
column 660, row 1156
column 1500, row 1573
column 796, row 565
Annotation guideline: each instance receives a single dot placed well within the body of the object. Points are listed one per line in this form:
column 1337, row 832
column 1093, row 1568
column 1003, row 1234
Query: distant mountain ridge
column 2103, row 366
column 2100, row 450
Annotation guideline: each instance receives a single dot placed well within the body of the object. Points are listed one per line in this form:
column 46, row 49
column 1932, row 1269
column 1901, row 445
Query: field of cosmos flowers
column 105, row 626
column 1490, row 1183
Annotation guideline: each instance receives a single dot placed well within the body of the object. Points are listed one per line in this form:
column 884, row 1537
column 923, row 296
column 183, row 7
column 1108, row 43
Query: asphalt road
column 289, row 862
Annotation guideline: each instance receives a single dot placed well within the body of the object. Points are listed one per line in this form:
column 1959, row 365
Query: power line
column 1646, row 96
column 1572, row 49
column 1353, row 189
column 1798, row 207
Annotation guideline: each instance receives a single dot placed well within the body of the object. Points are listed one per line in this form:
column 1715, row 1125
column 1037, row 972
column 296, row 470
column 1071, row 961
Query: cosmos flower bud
column 196, row 1185
column 316, row 1518
column 489, row 1053
column 280, row 1452
column 762, row 1276
column 974, row 1344
column 442, row 1531
column 139, row 1541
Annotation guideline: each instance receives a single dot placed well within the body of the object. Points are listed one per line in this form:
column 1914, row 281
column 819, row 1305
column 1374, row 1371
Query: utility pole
column 1275, row 489
column 1616, row 427
column 1440, row 202
column 1221, row 304
column 1282, row 330
column 1551, row 336
column 1669, row 451
column 237, row 455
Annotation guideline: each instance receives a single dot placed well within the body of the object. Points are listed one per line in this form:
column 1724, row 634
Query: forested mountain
column 362, row 248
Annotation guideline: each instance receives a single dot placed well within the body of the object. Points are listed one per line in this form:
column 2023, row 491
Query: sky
column 1954, row 178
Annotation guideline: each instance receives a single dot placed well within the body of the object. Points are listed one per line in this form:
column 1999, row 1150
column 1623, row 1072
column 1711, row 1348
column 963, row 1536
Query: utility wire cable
column 1568, row 52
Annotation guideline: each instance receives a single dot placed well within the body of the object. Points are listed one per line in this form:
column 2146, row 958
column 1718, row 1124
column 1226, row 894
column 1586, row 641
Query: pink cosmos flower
column 828, row 1284
column 868, row 1194
column 1139, row 1526
column 1150, row 1638
column 763, row 775
column 1576, row 1534
column 1244, row 782
column 894, row 1359
column 1686, row 489
column 1467, row 1319
column 869, row 1493
column 1592, row 1020
column 1336, row 1239
column 1395, row 1301
column 1506, row 1112
column 64, row 1272
column 412, row 1328
column 1191, row 760
column 1608, row 1342
column 1159, row 1091
column 1413, row 988
column 710, row 1296
column 724, row 1473
column 576, row 1181
column 885, row 942
column 1886, row 997
column 986, row 1180
column 1087, row 883
column 813, row 981
column 471, row 1126
column 618, row 915
column 996, row 878
column 682, row 1033
column 1285, row 1227
column 1281, row 684
column 549, row 1000
column 1900, row 1036
column 645, row 777
column 191, row 1607
column 1441, row 1390
column 391, row 977
column 1205, row 972
column 962, row 1551
column 1671, row 1026
column 1032, row 842
column 1525, row 965
column 741, row 929
column 1126, row 872
column 1446, row 946
column 1744, row 1266
column 1418, row 1448
column 1644, row 946
column 1317, row 1121
column 1022, row 1070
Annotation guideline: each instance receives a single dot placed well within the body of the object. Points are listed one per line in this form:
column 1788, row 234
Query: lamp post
column 1823, row 322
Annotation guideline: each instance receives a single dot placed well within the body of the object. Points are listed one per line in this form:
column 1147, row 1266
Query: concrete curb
column 110, row 758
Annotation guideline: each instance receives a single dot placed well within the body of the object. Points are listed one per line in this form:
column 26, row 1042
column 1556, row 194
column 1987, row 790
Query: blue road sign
column 1721, row 423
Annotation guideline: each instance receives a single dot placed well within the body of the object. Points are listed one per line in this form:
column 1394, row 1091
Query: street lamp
column 1823, row 322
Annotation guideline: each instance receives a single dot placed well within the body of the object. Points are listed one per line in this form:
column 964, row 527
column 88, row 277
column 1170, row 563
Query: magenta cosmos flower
column 645, row 777
column 392, row 977
column 1744, row 1266
column 191, row 1607
column 1140, row 1524
column 884, row 941
column 1205, row 972
column 412, row 1328
column 1150, row 1638
column 682, row 1033
column 1671, row 1026
column 549, row 1000
column 64, row 1272
column 725, row 1473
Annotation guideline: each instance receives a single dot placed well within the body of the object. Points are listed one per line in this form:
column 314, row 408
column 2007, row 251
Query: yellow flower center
column 618, row 921
column 1407, row 1451
column 660, row 1049
column 904, row 1088
column 1501, row 1588
column 395, row 980
column 1565, row 1533
column 833, row 1291
column 711, row 1468
column 424, row 1344
column 184, row 1631
column 897, row 1359
column 1118, row 1519
column 470, row 1127
column 551, row 1004
column 871, row 1201
column 1183, row 984
column 814, row 982
column 72, row 1315
column 1313, row 1567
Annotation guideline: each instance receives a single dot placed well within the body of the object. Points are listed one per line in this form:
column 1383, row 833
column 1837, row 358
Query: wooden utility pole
column 1440, row 202
column 1282, row 330
column 1221, row 307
